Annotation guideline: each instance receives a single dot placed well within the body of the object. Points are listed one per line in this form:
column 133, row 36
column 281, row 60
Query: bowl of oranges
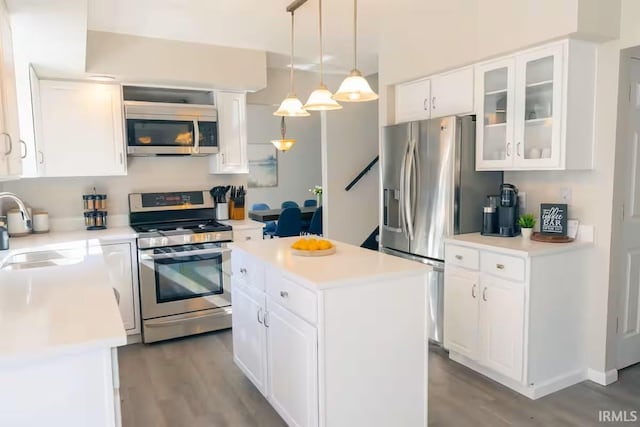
column 312, row 247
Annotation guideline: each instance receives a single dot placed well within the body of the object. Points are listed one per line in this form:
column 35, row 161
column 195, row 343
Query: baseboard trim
column 534, row 391
column 602, row 378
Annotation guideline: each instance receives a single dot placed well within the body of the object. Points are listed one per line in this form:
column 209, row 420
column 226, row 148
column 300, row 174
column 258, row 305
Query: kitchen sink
column 37, row 259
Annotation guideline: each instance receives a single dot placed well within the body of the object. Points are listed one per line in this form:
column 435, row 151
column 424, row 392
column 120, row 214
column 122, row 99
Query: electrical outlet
column 565, row 195
column 522, row 201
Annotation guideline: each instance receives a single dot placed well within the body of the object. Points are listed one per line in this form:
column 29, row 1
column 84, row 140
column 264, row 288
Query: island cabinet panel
column 518, row 316
column 343, row 338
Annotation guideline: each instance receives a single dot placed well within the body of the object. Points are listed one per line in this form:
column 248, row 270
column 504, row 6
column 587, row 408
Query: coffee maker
column 500, row 215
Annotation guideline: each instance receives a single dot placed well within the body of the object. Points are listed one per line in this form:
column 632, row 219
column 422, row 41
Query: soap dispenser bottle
column 4, row 235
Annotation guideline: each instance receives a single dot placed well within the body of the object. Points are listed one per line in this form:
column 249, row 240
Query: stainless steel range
column 184, row 264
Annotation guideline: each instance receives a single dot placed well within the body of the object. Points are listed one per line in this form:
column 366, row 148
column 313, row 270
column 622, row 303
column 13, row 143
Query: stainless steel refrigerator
column 431, row 190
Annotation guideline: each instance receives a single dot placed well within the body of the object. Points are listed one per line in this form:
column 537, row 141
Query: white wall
column 298, row 169
column 62, row 197
column 160, row 61
column 351, row 143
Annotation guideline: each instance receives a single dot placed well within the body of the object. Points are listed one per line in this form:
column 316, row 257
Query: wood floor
column 193, row 382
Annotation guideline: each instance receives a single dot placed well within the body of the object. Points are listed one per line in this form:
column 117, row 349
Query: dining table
column 306, row 212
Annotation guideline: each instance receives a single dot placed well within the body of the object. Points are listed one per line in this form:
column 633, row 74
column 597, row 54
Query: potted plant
column 317, row 191
column 526, row 223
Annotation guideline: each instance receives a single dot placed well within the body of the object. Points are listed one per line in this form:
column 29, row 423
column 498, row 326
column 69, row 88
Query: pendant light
column 355, row 87
column 283, row 144
column 291, row 105
column 320, row 99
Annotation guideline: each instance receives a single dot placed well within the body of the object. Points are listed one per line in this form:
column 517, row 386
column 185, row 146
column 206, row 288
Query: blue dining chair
column 310, row 202
column 289, row 204
column 315, row 227
column 289, row 223
column 270, row 226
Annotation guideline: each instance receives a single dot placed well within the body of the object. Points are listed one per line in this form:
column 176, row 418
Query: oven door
column 184, row 279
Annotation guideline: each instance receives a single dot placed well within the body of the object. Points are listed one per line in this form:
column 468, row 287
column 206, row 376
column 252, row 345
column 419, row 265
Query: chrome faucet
column 23, row 209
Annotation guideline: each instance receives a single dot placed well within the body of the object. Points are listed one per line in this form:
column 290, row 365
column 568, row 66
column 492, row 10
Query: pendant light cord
column 321, row 52
column 291, row 65
column 355, row 31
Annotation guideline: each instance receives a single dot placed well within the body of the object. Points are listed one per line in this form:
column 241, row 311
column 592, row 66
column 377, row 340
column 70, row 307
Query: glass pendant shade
column 320, row 100
column 355, row 88
column 283, row 144
column 291, row 106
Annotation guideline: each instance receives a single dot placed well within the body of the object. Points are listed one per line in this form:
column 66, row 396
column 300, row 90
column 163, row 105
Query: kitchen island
column 60, row 327
column 337, row 340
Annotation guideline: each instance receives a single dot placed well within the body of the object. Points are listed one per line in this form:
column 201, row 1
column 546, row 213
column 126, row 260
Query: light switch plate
column 565, row 195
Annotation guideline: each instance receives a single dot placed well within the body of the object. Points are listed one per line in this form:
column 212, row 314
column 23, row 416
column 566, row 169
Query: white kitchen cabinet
column 536, row 109
column 413, row 101
column 11, row 146
column 452, row 93
column 514, row 310
column 501, row 324
column 121, row 260
column 292, row 366
column 249, row 333
column 79, row 129
column 322, row 347
column 247, row 234
column 232, row 134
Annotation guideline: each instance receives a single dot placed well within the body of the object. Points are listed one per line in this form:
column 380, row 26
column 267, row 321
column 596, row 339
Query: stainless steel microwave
column 155, row 128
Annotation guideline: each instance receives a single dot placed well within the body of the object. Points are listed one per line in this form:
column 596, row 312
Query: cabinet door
column 10, row 146
column 81, row 129
column 452, row 93
column 232, row 132
column 118, row 259
column 461, row 291
column 247, row 234
column 293, row 366
column 495, row 107
column 413, row 101
column 539, row 108
column 250, row 334
column 502, row 326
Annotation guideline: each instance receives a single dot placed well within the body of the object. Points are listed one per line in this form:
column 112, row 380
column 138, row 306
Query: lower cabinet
column 121, row 259
column 461, row 311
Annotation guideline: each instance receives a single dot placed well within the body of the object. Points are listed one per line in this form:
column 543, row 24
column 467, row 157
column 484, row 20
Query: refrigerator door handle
column 408, row 200
column 415, row 183
column 403, row 195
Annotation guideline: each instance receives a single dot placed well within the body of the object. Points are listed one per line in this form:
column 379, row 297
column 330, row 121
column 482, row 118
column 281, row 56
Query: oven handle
column 185, row 254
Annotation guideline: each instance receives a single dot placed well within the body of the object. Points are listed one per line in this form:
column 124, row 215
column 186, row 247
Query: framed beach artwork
column 263, row 165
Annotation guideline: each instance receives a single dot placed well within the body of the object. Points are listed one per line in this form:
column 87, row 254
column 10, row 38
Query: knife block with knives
column 236, row 203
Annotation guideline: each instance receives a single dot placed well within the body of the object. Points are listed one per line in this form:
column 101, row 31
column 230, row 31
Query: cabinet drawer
column 461, row 256
column 292, row 296
column 247, row 234
column 508, row 267
column 247, row 269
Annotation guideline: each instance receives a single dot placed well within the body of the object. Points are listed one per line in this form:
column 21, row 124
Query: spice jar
column 101, row 201
column 89, row 201
column 90, row 219
column 100, row 218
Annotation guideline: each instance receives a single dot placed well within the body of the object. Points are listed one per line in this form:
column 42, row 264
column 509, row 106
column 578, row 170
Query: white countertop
column 243, row 224
column 516, row 245
column 56, row 310
column 349, row 263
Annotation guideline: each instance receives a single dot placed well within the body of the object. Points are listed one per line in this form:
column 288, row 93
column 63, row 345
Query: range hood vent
column 171, row 96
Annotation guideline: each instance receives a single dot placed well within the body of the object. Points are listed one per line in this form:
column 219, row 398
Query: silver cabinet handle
column 121, row 160
column 222, row 157
column 243, row 271
column 459, row 257
column 10, row 149
column 484, row 294
column 473, row 290
column 41, row 157
column 425, row 104
column 518, row 149
column 500, row 266
column 433, row 103
column 284, row 294
column 247, row 238
column 258, row 315
column 24, row 144
column 508, row 149
column 266, row 318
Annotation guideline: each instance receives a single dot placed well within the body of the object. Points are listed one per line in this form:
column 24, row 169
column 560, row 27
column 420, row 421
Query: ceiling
column 255, row 24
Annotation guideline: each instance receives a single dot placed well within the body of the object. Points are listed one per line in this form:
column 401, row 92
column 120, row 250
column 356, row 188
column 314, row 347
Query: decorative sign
column 553, row 219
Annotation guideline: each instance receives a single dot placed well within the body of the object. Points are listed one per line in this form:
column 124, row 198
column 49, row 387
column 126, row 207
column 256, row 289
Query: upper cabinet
column 536, row 109
column 437, row 96
column 79, row 129
column 232, row 134
column 11, row 148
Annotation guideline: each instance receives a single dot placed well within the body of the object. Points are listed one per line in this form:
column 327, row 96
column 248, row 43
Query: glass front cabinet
column 535, row 109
